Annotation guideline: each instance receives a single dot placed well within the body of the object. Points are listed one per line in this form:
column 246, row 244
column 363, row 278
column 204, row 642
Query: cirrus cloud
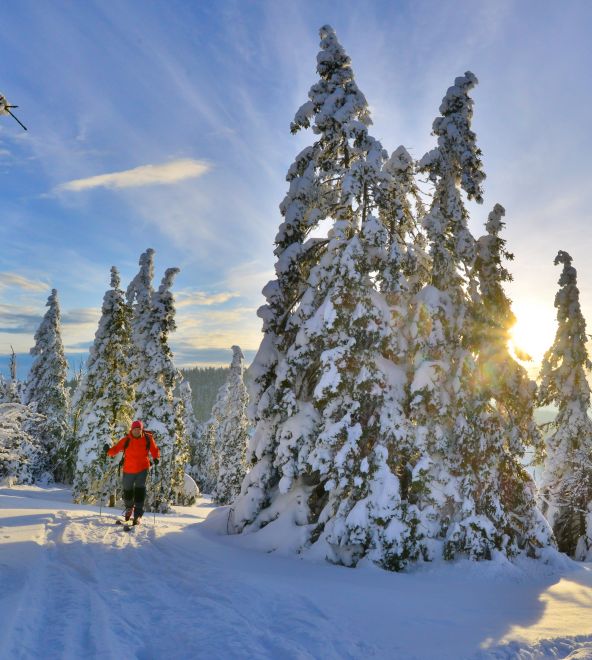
column 144, row 175
column 21, row 282
column 189, row 298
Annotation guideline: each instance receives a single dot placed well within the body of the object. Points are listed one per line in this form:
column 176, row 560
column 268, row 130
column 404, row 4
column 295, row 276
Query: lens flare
column 533, row 332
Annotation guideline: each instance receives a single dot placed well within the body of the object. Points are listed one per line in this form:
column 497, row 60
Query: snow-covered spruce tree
column 311, row 194
column 441, row 395
column 320, row 449
column 103, row 400
column 507, row 397
column 460, row 436
column 23, row 459
column 11, row 390
column 232, row 434
column 205, row 458
column 175, row 454
column 155, row 377
column 139, row 299
column 566, row 483
column 46, row 388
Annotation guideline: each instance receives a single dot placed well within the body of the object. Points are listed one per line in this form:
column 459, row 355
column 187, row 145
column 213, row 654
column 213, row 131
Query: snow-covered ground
column 75, row 585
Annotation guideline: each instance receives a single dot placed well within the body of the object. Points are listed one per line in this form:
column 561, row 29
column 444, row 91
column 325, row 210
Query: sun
column 533, row 332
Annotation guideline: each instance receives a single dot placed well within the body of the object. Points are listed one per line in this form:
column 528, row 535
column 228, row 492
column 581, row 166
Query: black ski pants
column 134, row 491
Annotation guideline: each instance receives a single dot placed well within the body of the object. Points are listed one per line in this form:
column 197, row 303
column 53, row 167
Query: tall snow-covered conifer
column 309, row 199
column 507, row 398
column 139, row 299
column 155, row 377
column 443, row 366
column 232, row 434
column 566, row 488
column 46, row 388
column 103, row 400
column 463, row 458
column 320, row 446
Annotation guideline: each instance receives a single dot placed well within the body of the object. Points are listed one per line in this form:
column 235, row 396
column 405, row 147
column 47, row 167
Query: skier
column 136, row 446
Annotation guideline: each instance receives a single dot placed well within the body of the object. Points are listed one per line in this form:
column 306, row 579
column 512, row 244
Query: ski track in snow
column 75, row 585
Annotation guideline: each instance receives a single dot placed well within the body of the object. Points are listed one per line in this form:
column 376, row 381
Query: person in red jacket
column 136, row 446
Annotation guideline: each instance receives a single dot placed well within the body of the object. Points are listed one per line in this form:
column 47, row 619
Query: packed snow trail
column 73, row 584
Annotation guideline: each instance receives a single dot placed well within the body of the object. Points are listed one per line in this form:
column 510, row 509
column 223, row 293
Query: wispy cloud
column 82, row 316
column 19, row 319
column 18, row 324
column 195, row 298
column 215, row 328
column 21, row 282
column 145, row 175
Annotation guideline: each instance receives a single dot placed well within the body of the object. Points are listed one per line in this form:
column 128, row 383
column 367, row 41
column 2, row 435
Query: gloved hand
column 106, row 448
column 156, row 461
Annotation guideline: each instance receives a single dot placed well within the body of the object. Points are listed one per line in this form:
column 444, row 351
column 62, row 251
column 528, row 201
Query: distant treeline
column 205, row 383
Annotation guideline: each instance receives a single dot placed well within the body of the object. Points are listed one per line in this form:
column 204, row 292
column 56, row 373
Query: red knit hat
column 137, row 424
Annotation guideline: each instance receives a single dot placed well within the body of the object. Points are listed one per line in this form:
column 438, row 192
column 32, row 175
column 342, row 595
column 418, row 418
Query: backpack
column 148, row 435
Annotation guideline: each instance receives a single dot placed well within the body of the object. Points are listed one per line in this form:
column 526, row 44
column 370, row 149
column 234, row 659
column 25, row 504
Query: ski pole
column 103, row 493
column 102, row 503
column 154, row 507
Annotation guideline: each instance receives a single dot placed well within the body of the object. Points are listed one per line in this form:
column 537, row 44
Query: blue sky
column 166, row 125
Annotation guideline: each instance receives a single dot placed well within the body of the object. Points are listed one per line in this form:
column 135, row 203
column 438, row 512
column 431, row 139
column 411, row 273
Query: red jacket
column 135, row 458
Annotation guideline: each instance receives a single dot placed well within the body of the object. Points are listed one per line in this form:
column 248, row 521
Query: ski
column 129, row 526
column 125, row 518
column 126, row 524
